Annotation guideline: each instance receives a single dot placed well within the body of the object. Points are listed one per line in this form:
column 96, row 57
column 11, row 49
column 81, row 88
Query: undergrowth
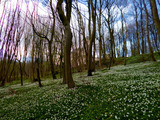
column 124, row 92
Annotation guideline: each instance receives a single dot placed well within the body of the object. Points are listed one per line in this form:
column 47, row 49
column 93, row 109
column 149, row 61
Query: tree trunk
column 67, row 53
column 38, row 77
column 51, row 60
column 12, row 71
column 125, row 48
column 68, row 40
column 75, row 55
column 100, row 40
column 21, row 72
column 142, row 29
column 147, row 22
column 94, row 53
column 32, row 54
column 138, row 47
column 92, row 38
column 104, row 52
column 80, row 54
column 90, row 59
column 111, row 46
column 137, row 30
column 155, row 16
column 61, row 63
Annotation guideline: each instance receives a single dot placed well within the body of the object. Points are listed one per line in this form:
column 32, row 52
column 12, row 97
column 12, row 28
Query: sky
column 43, row 11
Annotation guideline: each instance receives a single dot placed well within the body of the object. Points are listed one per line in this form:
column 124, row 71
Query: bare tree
column 49, row 40
column 137, row 26
column 13, row 32
column 82, row 29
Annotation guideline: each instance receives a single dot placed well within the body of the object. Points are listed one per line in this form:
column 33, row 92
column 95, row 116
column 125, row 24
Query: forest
column 79, row 59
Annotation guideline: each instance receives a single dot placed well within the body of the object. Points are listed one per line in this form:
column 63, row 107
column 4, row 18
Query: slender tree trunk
column 21, row 72
column 75, row 55
column 101, row 53
column 85, row 44
column 137, row 30
column 94, row 53
column 41, row 58
column 142, row 29
column 90, row 59
column 61, row 63
column 61, row 59
column 90, row 41
column 38, row 77
column 111, row 46
column 80, row 54
column 92, row 38
column 138, row 48
column 12, row 71
column 100, row 39
column 33, row 66
column 125, row 48
column 104, row 53
column 51, row 60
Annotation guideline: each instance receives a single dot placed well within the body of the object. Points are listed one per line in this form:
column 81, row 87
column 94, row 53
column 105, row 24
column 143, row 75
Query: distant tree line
column 70, row 39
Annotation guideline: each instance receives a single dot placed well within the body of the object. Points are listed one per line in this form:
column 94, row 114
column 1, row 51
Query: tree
column 82, row 28
column 38, row 51
column 137, row 26
column 12, row 34
column 124, row 36
column 65, row 19
column 49, row 40
column 147, row 22
column 92, row 39
column 155, row 16
column 142, row 28
column 99, row 31
column 110, row 19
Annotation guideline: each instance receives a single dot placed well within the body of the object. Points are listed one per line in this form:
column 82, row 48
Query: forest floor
column 124, row 92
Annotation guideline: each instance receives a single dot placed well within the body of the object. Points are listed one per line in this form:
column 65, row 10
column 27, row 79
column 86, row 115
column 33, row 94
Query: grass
column 136, row 59
column 124, row 92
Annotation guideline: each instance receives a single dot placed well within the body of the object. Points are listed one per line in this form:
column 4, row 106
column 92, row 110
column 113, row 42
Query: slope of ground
column 137, row 58
column 124, row 92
